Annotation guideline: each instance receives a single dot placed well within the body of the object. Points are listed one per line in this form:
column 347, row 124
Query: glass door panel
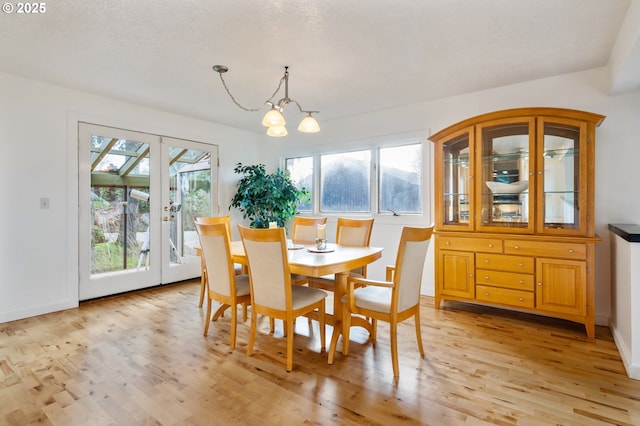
column 563, row 163
column 504, row 177
column 119, row 204
column 190, row 175
column 456, row 204
column 119, row 229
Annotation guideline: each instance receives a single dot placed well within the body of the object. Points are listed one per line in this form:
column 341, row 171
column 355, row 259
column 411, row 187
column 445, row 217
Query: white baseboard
column 36, row 310
column 633, row 370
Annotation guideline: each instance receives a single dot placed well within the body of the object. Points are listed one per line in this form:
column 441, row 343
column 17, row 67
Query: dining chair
column 349, row 232
column 203, row 269
column 304, row 231
column 393, row 300
column 223, row 284
column 272, row 293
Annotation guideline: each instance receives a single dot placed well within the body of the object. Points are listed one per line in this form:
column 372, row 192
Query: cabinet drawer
column 499, row 262
column 505, row 296
column 505, row 279
column 546, row 249
column 492, row 245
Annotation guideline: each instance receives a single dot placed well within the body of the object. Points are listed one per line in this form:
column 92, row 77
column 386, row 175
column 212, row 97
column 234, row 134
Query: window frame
column 374, row 209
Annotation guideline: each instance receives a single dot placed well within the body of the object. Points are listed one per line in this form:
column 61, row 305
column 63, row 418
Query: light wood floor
column 141, row 359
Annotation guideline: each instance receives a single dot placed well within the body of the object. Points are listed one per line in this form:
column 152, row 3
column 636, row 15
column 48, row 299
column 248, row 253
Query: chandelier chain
column 268, row 101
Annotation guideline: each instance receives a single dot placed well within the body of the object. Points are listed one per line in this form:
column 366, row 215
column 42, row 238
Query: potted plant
column 264, row 198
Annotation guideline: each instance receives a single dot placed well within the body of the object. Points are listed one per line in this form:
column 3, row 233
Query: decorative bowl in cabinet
column 508, row 188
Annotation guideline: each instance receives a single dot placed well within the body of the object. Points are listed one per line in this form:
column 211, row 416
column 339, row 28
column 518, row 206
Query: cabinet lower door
column 561, row 286
column 455, row 274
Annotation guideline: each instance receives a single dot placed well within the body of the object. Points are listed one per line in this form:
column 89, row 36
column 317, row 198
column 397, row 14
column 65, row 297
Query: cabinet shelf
column 515, row 156
column 460, row 161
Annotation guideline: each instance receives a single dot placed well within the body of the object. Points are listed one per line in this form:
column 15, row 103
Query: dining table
column 336, row 259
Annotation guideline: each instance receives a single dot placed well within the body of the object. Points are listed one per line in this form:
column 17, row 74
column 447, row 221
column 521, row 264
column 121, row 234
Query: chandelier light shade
column 309, row 125
column 273, row 119
column 277, row 131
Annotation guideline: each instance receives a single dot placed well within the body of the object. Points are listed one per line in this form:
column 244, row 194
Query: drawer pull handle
column 571, row 251
column 447, row 243
column 486, row 261
column 521, row 264
column 521, row 281
column 490, row 245
column 539, row 284
column 522, row 299
column 486, row 277
column 486, row 293
column 516, row 247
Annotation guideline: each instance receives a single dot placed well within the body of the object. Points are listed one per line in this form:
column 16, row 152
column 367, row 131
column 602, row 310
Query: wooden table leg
column 203, row 277
column 340, row 290
column 338, row 315
column 203, row 288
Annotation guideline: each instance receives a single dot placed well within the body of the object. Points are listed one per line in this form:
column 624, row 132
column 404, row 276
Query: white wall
column 38, row 136
column 625, row 291
column 617, row 148
column 38, row 261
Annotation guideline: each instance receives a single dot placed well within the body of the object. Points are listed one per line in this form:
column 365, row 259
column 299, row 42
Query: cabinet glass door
column 562, row 190
column 504, row 178
column 456, row 204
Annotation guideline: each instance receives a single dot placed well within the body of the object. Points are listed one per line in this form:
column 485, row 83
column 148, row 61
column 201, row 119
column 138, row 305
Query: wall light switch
column 44, row 203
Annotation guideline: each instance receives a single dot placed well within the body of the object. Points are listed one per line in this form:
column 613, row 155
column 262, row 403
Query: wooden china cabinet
column 514, row 202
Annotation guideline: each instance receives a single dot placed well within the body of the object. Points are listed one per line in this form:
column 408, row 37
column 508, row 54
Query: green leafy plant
column 264, row 198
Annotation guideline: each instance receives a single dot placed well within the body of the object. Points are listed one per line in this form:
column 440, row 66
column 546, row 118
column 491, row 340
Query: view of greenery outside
column 116, row 221
column 195, row 199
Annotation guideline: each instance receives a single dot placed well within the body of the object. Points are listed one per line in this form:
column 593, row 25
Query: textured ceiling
column 346, row 57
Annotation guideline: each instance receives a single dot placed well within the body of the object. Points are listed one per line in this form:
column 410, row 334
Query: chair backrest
column 305, row 229
column 354, row 232
column 215, row 219
column 266, row 251
column 216, row 253
column 407, row 278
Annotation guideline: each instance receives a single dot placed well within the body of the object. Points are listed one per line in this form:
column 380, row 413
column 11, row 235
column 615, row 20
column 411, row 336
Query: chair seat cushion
column 373, row 298
column 302, row 296
column 242, row 285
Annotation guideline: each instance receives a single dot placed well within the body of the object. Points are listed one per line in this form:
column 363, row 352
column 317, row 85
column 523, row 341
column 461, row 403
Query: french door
column 139, row 194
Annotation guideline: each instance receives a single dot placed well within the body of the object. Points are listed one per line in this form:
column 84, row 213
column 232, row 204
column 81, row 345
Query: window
column 301, row 172
column 345, row 182
column 401, row 179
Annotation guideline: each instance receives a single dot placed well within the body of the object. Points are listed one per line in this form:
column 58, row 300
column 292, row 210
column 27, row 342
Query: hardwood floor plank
column 141, row 359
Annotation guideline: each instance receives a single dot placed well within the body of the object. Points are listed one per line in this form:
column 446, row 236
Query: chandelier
column 273, row 119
